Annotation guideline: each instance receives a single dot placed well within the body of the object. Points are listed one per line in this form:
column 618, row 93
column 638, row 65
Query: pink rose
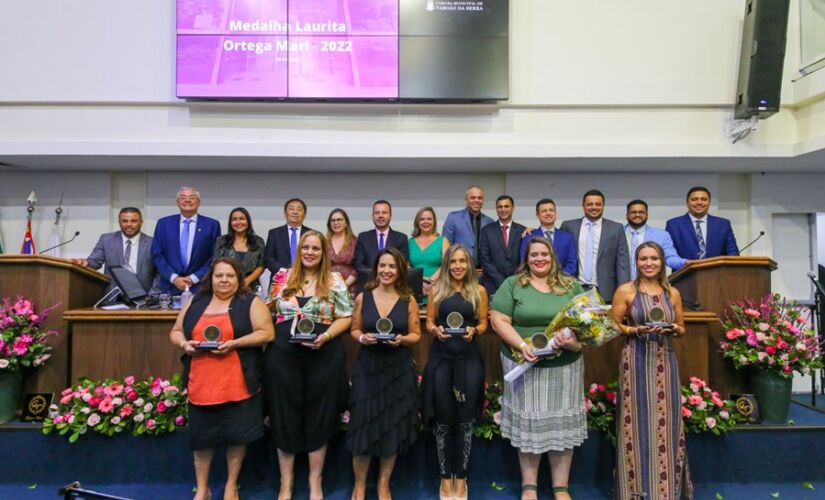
column 126, row 410
column 786, row 369
column 718, row 401
column 770, row 350
column 180, row 421
column 171, row 388
column 34, row 318
column 130, row 380
column 161, row 407
column 611, row 396
column 761, row 356
column 686, row 412
column 58, row 419
column 753, row 313
column 724, row 415
column 105, row 406
column 94, row 402
column 131, row 396
column 66, row 399
column 695, row 400
column 150, row 424
column 711, row 422
column 115, row 420
column 731, row 334
column 93, row 420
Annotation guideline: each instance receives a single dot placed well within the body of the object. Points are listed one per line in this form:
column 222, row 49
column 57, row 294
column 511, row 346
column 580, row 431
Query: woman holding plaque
column 651, row 459
column 426, row 246
column 243, row 245
column 341, row 246
column 543, row 410
column 222, row 379
column 383, row 405
column 305, row 371
column 454, row 378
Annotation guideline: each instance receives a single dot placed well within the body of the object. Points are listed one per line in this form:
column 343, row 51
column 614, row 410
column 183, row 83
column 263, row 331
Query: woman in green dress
column 543, row 410
column 427, row 247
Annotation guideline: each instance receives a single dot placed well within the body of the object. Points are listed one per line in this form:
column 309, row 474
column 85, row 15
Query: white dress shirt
column 192, row 226
column 133, row 256
column 597, row 235
column 703, row 226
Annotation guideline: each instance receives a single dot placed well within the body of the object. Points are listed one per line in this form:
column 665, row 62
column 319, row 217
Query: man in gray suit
column 128, row 247
column 603, row 257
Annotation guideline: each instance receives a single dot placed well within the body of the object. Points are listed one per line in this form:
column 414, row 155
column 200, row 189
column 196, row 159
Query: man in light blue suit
column 464, row 226
column 563, row 243
column 638, row 232
column 183, row 245
column 698, row 235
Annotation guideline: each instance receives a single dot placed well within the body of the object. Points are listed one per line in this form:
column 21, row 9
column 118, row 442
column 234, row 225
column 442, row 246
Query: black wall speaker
column 762, row 57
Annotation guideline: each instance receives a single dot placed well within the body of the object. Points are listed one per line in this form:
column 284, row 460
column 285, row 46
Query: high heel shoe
column 446, row 491
column 460, row 489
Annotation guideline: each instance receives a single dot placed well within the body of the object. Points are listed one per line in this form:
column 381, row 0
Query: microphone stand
column 76, row 234
column 761, row 234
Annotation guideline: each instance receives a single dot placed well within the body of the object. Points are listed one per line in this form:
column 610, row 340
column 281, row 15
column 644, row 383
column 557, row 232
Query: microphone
column 816, row 283
column 761, row 234
column 76, row 234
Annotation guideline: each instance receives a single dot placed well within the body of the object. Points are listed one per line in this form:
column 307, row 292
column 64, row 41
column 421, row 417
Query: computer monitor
column 415, row 280
column 131, row 289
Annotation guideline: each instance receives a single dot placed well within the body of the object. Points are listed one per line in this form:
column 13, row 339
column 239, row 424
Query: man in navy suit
column 637, row 232
column 698, row 235
column 563, row 243
column 371, row 242
column 184, row 244
column 464, row 226
column 282, row 242
column 128, row 247
column 498, row 250
column 602, row 247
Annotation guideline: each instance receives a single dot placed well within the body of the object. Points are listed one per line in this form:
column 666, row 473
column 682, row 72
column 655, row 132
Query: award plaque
column 657, row 318
column 544, row 346
column 303, row 330
column 211, row 339
column 384, row 327
column 455, row 325
column 747, row 407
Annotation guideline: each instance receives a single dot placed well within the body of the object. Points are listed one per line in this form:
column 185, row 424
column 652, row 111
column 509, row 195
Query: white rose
column 139, row 417
column 117, row 401
column 85, row 410
column 139, row 402
column 586, row 318
column 4, row 363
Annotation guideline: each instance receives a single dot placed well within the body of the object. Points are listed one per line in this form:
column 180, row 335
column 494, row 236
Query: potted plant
column 772, row 339
column 22, row 346
column 704, row 410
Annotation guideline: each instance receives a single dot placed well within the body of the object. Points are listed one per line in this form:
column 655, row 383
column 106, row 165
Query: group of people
column 349, row 285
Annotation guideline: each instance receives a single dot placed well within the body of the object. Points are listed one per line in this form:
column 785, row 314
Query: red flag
column 28, row 240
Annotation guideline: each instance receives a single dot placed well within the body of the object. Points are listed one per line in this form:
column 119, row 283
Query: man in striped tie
column 699, row 235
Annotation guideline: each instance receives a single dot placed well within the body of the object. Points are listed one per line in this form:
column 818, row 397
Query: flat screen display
column 342, row 49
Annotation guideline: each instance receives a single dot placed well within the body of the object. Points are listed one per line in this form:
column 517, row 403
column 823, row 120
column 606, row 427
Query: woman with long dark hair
column 241, row 244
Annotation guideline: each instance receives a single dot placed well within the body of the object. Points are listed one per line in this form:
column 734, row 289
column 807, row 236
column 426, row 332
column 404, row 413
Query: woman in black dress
column 306, row 383
column 454, row 377
column 383, row 405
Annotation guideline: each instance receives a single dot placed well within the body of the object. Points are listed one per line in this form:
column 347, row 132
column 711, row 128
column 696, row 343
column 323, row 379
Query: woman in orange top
column 224, row 383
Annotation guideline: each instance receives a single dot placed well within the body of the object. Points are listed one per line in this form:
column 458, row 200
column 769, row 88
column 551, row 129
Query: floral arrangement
column 771, row 335
column 703, row 409
column 587, row 315
column 153, row 406
column 600, row 405
column 489, row 425
column 22, row 337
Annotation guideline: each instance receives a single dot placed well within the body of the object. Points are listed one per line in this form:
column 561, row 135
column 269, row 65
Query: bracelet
column 182, row 345
column 329, row 337
column 522, row 345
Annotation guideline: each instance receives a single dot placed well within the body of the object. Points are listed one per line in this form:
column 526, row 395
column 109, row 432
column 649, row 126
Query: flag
column 28, row 240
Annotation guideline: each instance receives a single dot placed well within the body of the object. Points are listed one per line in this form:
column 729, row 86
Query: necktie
column 504, row 233
column 128, row 254
column 184, row 243
column 549, row 235
column 293, row 244
column 380, row 241
column 700, row 240
column 634, row 244
column 588, row 254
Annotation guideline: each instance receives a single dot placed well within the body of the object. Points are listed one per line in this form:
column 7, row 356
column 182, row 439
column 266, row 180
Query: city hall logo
column 455, row 5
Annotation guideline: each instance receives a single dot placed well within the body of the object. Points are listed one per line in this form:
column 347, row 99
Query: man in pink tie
column 498, row 245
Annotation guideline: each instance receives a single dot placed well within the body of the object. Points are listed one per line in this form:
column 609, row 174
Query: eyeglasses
column 333, row 221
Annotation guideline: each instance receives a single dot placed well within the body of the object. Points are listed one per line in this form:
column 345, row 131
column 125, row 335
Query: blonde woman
column 454, row 377
column 426, row 246
column 306, row 383
column 542, row 411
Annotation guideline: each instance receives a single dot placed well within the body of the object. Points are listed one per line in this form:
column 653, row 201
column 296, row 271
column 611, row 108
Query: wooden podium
column 48, row 281
column 709, row 285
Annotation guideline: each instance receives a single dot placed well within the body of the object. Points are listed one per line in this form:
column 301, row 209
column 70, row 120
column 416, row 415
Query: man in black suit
column 371, row 242
column 282, row 242
column 498, row 247
column 603, row 256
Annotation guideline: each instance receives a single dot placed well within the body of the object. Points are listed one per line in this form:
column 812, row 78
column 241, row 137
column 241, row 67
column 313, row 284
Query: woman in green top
column 543, row 410
column 242, row 245
column 426, row 246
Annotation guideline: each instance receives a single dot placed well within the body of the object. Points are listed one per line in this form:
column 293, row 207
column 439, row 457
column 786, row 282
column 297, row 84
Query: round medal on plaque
column 455, row 325
column 211, row 338
column 304, row 331
column 384, row 328
column 656, row 317
column 544, row 346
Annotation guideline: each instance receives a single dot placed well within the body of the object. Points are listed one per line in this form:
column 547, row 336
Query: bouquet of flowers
column 489, row 425
column 586, row 315
column 704, row 410
column 108, row 407
column 772, row 335
column 22, row 337
column 600, row 405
